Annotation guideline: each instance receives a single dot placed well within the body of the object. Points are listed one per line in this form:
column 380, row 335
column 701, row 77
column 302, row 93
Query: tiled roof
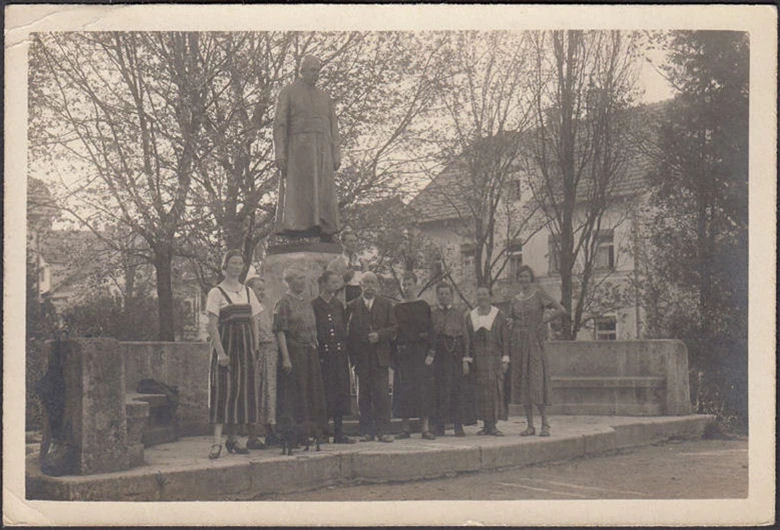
column 439, row 200
column 444, row 198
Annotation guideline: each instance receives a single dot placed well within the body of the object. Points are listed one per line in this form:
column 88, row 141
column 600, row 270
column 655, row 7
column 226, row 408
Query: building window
column 553, row 254
column 515, row 255
column 605, row 251
column 606, row 327
column 467, row 254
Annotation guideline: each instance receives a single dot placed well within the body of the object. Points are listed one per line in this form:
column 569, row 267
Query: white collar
column 483, row 321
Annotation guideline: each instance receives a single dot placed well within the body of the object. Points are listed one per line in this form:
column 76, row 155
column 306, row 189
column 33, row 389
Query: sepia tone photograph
column 275, row 268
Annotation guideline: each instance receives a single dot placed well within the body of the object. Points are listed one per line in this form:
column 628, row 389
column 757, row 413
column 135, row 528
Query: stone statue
column 306, row 141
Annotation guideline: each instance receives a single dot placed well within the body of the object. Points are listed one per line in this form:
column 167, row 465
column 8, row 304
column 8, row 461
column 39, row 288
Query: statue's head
column 310, row 69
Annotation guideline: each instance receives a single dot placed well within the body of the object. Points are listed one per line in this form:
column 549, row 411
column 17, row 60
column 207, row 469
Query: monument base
column 311, row 257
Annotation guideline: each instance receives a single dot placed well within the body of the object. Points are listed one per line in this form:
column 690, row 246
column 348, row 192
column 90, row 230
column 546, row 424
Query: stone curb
column 242, row 479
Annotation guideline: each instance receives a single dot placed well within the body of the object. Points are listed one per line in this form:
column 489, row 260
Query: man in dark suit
column 371, row 328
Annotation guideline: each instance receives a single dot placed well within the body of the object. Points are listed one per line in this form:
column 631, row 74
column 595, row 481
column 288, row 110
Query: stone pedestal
column 313, row 258
column 86, row 426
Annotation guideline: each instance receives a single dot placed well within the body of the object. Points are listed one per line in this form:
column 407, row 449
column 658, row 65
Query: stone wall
column 181, row 364
column 640, row 377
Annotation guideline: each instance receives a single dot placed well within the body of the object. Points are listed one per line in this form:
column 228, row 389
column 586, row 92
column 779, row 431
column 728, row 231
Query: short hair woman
column 530, row 368
column 301, row 397
column 232, row 309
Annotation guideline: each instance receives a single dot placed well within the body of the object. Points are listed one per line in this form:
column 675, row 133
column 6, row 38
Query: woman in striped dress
column 232, row 310
column 530, row 369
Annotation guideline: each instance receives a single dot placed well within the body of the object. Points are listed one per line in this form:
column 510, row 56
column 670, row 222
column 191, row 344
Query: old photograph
column 275, row 262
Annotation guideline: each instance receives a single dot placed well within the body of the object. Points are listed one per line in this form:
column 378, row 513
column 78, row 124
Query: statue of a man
column 306, row 140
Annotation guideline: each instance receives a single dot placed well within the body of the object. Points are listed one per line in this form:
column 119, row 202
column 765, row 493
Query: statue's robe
column 306, row 136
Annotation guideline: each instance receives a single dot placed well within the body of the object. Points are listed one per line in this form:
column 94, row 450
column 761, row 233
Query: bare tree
column 486, row 111
column 583, row 83
column 381, row 84
column 127, row 109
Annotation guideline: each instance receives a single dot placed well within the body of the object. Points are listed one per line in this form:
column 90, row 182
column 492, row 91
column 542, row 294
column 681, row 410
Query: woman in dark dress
column 413, row 375
column 530, row 369
column 332, row 344
column 300, row 395
column 232, row 309
column 487, row 354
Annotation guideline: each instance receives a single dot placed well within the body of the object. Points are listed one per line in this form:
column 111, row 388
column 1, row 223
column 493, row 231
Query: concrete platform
column 181, row 471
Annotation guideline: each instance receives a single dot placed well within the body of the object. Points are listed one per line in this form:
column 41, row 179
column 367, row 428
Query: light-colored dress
column 266, row 368
column 529, row 365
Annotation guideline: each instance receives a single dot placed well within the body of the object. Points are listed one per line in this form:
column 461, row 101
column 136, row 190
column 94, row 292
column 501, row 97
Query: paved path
column 699, row 469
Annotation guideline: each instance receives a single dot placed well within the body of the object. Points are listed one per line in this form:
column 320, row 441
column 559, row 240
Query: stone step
column 181, row 471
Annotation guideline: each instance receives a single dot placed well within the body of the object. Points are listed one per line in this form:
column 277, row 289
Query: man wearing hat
column 306, row 141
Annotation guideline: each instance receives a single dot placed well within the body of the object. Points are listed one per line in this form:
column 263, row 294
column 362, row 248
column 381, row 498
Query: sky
column 656, row 87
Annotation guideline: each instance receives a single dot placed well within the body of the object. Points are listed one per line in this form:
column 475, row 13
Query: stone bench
column 181, row 364
column 634, row 378
column 159, row 428
column 626, row 396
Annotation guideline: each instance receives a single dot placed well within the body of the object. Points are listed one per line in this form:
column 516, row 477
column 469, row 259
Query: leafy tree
column 697, row 282
column 583, row 83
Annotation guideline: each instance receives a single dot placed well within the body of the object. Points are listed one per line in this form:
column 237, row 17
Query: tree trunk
column 567, row 72
column 163, row 258
column 129, row 324
column 565, row 266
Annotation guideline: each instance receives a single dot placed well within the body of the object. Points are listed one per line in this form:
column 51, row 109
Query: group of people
column 291, row 372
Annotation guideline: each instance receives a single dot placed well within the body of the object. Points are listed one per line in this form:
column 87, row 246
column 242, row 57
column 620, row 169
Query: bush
column 719, row 382
column 35, row 363
column 104, row 315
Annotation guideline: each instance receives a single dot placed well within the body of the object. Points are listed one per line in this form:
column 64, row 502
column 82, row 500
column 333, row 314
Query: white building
column 612, row 313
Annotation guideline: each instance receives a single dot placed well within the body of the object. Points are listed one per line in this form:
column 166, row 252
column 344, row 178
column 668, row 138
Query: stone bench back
column 641, row 377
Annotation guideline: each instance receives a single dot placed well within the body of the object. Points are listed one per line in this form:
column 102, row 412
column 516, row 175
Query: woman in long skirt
column 415, row 351
column 300, row 393
column 267, row 355
column 232, row 309
column 487, row 354
column 530, row 368
column 332, row 344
